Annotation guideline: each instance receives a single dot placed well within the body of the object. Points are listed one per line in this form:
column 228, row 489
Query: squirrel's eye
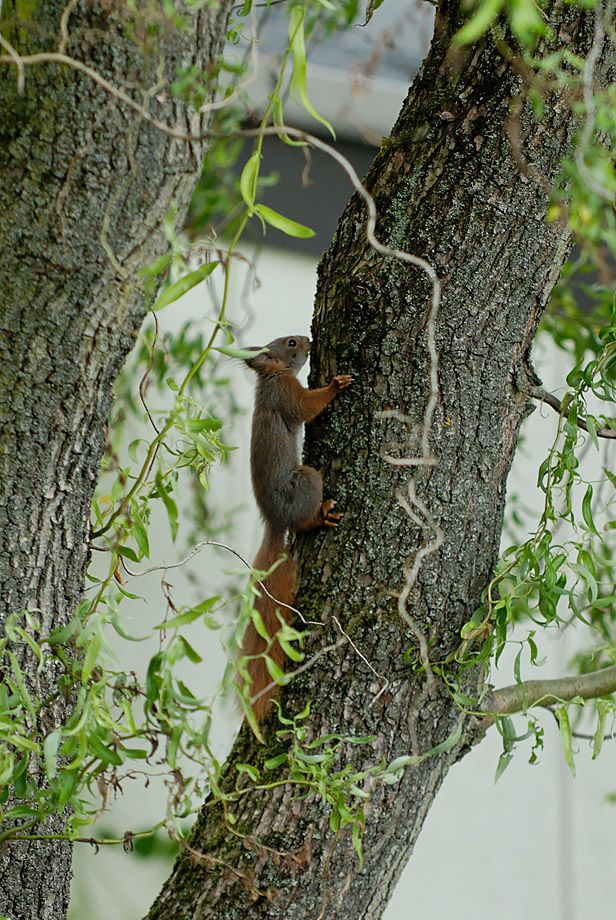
column 291, row 343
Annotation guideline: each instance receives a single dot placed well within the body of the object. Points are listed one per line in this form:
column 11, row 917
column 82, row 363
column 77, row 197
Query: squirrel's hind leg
column 311, row 510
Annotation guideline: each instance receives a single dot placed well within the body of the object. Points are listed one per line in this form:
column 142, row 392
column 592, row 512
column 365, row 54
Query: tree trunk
column 449, row 189
column 84, row 185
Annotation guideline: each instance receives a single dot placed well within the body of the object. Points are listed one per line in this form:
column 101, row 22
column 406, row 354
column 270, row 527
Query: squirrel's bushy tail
column 281, row 584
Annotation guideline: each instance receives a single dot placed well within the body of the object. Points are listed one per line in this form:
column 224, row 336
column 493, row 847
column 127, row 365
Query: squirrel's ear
column 259, row 358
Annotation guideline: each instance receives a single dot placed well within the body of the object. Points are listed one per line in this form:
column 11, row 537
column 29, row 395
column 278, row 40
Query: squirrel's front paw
column 342, row 381
column 330, row 517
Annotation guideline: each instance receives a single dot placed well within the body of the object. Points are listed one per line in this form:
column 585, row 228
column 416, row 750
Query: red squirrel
column 289, row 495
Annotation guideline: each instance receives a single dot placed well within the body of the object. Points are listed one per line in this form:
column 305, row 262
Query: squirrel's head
column 287, row 353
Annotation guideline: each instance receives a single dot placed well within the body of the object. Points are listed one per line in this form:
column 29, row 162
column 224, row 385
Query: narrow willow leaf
column 173, row 746
column 298, row 75
column 170, row 505
column 50, row 753
column 201, row 424
column 592, row 430
column 182, row 619
column 26, row 699
column 69, row 784
column 483, row 18
column 525, row 19
column 275, row 672
column 399, row 762
column 252, row 722
column 503, row 762
column 587, row 510
column 190, row 652
column 370, row 8
column 248, row 179
column 242, row 353
column 285, row 224
column 252, row 772
column 289, row 651
column 184, row 284
column 597, row 742
column 91, row 658
column 139, row 532
column 105, row 754
column 259, row 625
column 565, row 736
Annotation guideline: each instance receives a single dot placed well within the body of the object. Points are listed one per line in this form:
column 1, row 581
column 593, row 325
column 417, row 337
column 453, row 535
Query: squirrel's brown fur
column 289, row 495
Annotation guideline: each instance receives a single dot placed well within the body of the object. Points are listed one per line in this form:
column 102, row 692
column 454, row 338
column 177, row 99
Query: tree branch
column 519, row 697
column 556, row 404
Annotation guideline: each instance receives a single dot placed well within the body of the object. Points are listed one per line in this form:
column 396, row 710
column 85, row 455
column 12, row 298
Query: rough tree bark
column 84, row 185
column 448, row 188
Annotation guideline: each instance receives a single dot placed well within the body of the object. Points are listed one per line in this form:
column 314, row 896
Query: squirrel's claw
column 330, row 517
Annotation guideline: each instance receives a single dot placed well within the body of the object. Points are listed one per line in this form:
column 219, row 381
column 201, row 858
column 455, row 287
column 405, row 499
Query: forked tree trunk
column 447, row 188
column 84, row 185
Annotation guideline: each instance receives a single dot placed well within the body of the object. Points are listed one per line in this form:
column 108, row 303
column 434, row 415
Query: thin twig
column 556, row 404
column 344, row 635
column 546, row 693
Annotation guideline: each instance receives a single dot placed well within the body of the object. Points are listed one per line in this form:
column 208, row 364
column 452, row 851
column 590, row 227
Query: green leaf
column 503, row 762
column 184, row 284
column 91, row 658
column 250, row 718
column 592, row 430
column 189, row 651
column 157, row 266
column 587, row 510
column 182, row 619
column 132, row 449
column 275, row 761
column 128, row 553
column 172, row 748
column 259, row 625
column 139, row 531
column 297, row 85
column 135, row 753
column 50, row 753
column 484, row 17
column 252, row 772
column 26, row 699
column 153, row 679
column 275, row 672
column 597, row 742
column 248, row 179
column 526, row 19
column 116, row 622
column 242, row 353
column 370, row 8
column 27, row 638
column 197, row 425
column 399, row 762
column 357, row 837
column 312, row 758
column 289, row 650
column 565, row 736
column 69, row 784
column 285, row 224
column 105, row 754
column 170, row 505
